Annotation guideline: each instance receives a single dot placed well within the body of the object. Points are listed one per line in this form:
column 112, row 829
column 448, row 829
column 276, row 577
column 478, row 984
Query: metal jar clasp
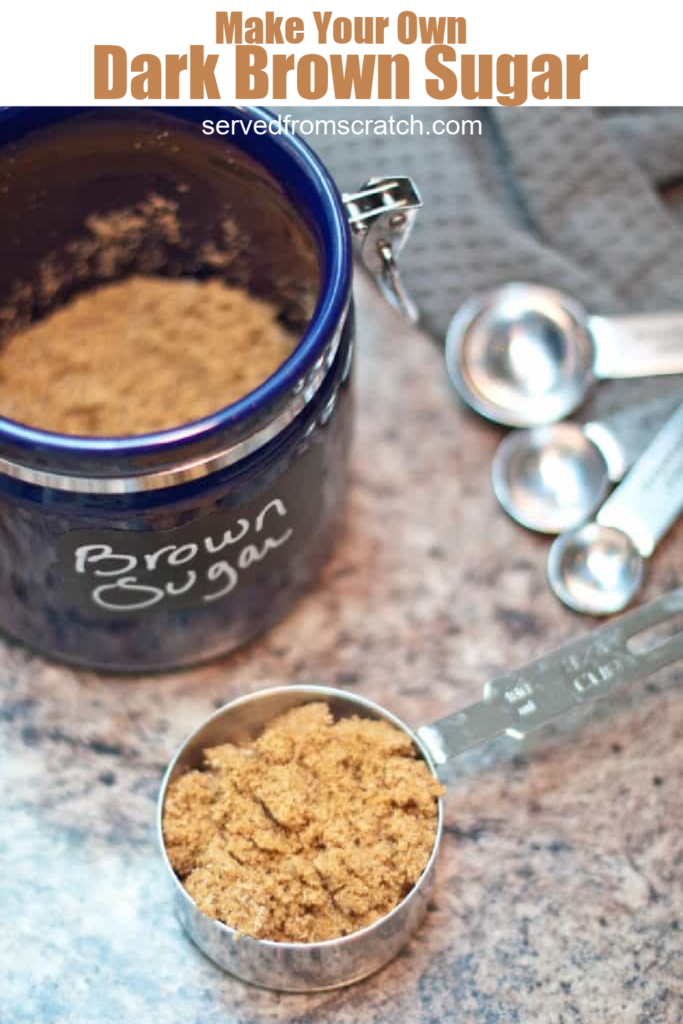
column 381, row 215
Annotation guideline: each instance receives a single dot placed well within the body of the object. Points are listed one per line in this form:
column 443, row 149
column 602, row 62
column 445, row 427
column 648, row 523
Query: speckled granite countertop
column 560, row 895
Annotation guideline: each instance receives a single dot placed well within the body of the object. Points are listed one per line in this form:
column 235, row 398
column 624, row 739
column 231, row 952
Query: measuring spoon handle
column 623, row 435
column 637, row 345
column 583, row 670
column 650, row 498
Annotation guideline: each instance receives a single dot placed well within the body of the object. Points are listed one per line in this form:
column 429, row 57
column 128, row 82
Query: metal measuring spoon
column 524, row 355
column 551, row 479
column 599, row 568
column 515, row 704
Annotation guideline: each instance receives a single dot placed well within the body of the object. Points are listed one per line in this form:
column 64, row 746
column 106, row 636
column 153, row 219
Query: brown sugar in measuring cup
column 315, row 830
column 286, row 965
column 514, row 704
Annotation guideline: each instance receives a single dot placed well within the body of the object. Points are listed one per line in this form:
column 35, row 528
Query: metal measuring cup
column 524, row 355
column 515, row 704
column 599, row 568
column 551, row 479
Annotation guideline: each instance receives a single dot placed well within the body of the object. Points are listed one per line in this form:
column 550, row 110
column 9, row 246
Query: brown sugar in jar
column 313, row 831
column 140, row 355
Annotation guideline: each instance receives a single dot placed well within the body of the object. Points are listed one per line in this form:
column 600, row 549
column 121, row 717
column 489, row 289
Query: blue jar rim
column 309, row 186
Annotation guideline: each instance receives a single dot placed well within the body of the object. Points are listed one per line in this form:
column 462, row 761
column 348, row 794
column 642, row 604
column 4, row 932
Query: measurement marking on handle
column 582, row 671
column 603, row 672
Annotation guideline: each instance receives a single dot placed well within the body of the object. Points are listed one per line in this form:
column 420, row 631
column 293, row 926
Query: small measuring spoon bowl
column 514, row 704
column 596, row 569
column 599, row 568
column 524, row 355
column 551, row 479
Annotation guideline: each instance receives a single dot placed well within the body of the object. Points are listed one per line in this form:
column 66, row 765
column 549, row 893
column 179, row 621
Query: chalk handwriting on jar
column 221, row 571
column 134, row 599
column 137, row 578
column 96, row 553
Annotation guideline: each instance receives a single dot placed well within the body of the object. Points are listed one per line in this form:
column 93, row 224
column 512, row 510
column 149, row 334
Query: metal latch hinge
column 381, row 215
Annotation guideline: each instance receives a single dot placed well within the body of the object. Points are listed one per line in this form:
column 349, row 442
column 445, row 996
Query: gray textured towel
column 583, row 200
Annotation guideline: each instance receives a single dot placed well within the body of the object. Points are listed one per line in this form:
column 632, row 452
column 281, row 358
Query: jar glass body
column 156, row 551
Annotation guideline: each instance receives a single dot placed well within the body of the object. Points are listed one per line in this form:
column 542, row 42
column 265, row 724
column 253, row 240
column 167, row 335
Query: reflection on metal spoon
column 551, row 479
column 599, row 568
column 595, row 569
column 524, row 355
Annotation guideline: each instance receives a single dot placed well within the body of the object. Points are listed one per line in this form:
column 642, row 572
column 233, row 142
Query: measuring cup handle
column 580, row 671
